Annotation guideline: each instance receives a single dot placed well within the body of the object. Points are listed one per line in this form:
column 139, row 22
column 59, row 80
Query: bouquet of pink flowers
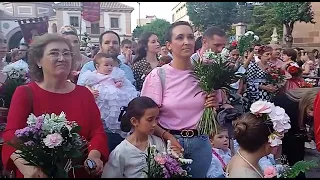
column 166, row 164
column 51, row 143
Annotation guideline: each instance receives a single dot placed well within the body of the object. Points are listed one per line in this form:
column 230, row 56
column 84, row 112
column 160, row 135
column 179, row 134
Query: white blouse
column 127, row 161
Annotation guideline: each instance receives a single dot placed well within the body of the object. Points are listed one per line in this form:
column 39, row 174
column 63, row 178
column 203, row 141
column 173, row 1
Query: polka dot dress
column 254, row 78
column 140, row 70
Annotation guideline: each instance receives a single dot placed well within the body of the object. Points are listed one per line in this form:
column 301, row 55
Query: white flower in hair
column 256, row 37
column 280, row 120
column 261, row 107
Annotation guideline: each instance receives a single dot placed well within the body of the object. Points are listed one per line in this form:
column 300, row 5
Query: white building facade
column 179, row 12
column 114, row 16
column 12, row 11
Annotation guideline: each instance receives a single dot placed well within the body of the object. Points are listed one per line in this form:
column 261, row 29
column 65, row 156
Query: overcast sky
column 161, row 10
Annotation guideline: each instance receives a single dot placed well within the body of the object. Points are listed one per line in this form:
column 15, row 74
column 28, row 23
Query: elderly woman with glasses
column 50, row 59
column 70, row 33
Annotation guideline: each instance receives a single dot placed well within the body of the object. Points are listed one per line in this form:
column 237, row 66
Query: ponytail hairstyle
column 136, row 109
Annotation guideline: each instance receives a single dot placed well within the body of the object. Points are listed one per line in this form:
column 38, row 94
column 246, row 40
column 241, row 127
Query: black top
column 293, row 141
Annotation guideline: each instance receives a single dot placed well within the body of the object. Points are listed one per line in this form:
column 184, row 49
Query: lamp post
column 139, row 14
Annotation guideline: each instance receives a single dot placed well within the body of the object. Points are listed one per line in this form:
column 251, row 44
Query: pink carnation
column 53, row 140
column 270, row 172
column 160, row 160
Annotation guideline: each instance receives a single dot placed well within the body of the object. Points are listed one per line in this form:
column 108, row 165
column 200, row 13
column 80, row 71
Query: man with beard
column 213, row 39
column 109, row 43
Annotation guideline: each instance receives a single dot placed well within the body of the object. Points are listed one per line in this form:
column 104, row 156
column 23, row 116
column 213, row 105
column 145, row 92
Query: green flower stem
column 208, row 123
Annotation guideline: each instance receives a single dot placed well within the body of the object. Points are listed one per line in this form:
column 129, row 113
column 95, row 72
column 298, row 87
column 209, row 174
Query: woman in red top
column 50, row 60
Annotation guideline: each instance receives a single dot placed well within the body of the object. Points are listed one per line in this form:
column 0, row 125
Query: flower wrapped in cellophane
column 166, row 164
column 214, row 73
column 246, row 41
column 285, row 171
column 50, row 142
column 17, row 74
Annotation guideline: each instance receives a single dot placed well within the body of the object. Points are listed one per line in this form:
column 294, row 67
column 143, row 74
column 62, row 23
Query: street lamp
column 139, row 14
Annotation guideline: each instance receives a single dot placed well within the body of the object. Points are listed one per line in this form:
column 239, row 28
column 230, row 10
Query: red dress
column 316, row 114
column 78, row 105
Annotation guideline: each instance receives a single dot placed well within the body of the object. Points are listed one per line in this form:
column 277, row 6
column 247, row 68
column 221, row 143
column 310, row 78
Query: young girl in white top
column 111, row 89
column 221, row 154
column 128, row 159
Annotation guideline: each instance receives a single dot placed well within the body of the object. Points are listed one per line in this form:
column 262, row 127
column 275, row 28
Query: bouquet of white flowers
column 17, row 74
column 214, row 73
column 246, row 42
column 50, row 142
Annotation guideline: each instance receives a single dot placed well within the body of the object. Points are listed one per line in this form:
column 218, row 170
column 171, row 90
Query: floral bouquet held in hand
column 166, row 164
column 213, row 73
column 246, row 41
column 17, row 74
column 285, row 171
column 51, row 143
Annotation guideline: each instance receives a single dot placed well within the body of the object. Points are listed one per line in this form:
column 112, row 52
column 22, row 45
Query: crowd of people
column 127, row 96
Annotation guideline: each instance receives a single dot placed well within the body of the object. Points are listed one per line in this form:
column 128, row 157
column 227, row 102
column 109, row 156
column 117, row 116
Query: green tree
column 206, row 14
column 137, row 32
column 290, row 12
column 263, row 21
column 158, row 26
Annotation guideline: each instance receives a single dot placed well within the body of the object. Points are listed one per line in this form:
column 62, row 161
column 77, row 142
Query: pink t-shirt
column 180, row 108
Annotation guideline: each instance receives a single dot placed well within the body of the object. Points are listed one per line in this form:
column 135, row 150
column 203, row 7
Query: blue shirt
column 89, row 66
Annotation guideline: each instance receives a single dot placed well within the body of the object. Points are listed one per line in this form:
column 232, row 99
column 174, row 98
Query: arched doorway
column 14, row 41
column 54, row 28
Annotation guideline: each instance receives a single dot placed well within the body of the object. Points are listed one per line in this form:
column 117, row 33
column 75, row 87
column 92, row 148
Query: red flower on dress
column 234, row 43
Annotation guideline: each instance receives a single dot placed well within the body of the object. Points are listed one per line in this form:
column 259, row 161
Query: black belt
column 186, row 133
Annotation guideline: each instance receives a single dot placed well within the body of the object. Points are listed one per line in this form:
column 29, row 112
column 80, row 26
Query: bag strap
column 30, row 96
column 162, row 75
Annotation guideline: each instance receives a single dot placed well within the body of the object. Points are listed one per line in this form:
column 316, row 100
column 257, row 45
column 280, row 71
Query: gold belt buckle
column 187, row 133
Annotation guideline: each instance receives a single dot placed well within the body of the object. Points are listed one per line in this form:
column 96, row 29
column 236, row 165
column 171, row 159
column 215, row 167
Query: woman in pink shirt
column 175, row 90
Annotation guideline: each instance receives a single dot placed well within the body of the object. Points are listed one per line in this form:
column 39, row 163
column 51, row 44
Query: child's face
column 221, row 140
column 147, row 124
column 105, row 66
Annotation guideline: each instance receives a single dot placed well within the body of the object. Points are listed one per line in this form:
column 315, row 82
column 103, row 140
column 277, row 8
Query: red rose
column 292, row 69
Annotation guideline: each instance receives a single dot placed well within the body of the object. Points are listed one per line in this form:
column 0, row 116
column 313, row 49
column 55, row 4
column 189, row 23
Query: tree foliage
column 290, row 12
column 263, row 21
column 206, row 14
column 158, row 26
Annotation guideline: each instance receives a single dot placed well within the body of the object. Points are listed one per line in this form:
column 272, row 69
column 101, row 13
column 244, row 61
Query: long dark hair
column 142, row 46
column 136, row 108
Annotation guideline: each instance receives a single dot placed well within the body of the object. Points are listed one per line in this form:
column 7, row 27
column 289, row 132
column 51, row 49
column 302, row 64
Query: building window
column 114, row 23
column 27, row 10
column 42, row 10
column 95, row 28
column 74, row 21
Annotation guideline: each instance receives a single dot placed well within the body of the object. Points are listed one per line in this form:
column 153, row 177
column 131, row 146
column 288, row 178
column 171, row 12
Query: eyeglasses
column 56, row 54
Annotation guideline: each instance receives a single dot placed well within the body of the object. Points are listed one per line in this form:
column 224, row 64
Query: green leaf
column 75, row 129
column 75, row 153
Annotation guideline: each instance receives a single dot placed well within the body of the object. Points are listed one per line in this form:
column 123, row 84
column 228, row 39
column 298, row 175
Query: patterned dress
column 254, row 78
column 140, row 71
